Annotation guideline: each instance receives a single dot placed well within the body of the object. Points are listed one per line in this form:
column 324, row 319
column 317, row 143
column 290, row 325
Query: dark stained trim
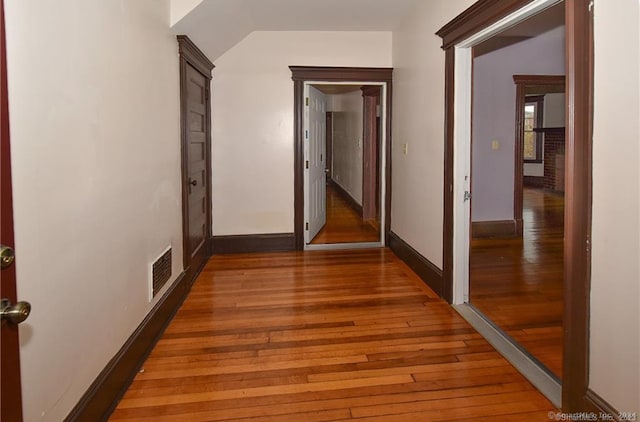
column 496, row 229
column 347, row 197
column 427, row 271
column 302, row 74
column 596, row 404
column 537, row 80
column 341, row 74
column 533, row 181
column 578, row 188
column 190, row 52
column 447, row 239
column 190, row 55
column 101, row 398
column 279, row 242
column 477, row 17
column 579, row 93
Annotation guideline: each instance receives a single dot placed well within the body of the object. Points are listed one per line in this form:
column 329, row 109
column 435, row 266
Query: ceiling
column 548, row 19
column 217, row 25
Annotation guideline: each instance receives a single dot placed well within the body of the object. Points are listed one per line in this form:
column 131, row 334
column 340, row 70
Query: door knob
column 193, row 182
column 14, row 313
column 6, row 256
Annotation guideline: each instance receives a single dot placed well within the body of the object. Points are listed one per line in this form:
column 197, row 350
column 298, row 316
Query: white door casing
column 315, row 210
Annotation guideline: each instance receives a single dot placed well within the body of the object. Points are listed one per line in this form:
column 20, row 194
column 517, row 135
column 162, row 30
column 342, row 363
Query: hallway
column 335, row 335
column 344, row 224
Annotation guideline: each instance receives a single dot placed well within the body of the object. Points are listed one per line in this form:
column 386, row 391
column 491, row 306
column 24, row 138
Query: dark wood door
column 10, row 389
column 195, row 77
column 197, row 159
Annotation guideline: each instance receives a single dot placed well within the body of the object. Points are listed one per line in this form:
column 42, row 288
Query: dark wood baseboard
column 533, row 181
column 498, row 228
column 425, row 269
column 596, row 404
column 103, row 395
column 347, row 197
column 278, row 242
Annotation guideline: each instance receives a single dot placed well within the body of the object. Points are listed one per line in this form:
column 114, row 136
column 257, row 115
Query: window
column 533, row 119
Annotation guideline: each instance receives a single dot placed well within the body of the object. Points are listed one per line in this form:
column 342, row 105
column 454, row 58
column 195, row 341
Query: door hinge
column 467, row 195
column 306, row 101
column 320, row 157
column 306, row 226
column 306, row 164
column 306, row 134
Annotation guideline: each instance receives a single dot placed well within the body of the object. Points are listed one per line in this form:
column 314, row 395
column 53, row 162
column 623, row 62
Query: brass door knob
column 6, row 256
column 14, row 313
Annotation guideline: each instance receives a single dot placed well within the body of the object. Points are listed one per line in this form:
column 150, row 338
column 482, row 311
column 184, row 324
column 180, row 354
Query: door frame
column 370, row 151
column 305, row 74
column 191, row 55
column 10, row 382
column 479, row 20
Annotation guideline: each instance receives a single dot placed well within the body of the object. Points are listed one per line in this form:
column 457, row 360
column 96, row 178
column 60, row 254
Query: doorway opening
column 460, row 37
column 516, row 251
column 342, row 157
column 345, row 189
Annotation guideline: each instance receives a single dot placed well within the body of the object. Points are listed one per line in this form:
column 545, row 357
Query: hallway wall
column 253, row 121
column 94, row 114
column 347, row 142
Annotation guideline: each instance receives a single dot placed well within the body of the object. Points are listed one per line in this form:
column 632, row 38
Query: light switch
column 495, row 145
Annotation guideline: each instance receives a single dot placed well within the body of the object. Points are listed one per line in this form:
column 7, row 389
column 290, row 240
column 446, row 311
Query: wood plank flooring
column 323, row 336
column 517, row 283
column 344, row 225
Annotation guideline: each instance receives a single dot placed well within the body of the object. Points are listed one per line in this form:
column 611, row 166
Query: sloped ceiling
column 217, row 25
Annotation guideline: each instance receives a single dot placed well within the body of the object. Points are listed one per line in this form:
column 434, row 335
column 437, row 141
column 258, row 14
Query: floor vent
column 160, row 272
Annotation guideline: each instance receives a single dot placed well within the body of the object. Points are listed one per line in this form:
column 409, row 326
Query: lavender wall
column 494, row 99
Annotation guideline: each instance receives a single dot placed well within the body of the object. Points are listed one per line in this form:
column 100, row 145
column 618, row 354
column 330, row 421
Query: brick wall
column 553, row 145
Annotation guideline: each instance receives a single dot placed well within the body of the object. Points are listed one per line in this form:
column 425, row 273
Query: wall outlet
column 495, row 145
column 405, row 148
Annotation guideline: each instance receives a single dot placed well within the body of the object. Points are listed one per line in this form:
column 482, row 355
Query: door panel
column 315, row 176
column 10, row 384
column 197, row 163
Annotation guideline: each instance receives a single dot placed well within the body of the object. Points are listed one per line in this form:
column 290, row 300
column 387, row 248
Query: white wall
column 180, row 8
column 94, row 106
column 418, row 116
column 418, row 103
column 615, row 279
column 347, row 142
column 253, row 121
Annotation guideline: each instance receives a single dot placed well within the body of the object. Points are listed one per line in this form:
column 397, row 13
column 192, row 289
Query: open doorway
column 352, row 147
column 517, row 204
column 342, row 157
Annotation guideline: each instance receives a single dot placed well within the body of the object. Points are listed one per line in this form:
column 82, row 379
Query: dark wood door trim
column 579, row 121
column 10, row 382
column 522, row 83
column 371, row 99
column 578, row 189
column 302, row 74
column 191, row 55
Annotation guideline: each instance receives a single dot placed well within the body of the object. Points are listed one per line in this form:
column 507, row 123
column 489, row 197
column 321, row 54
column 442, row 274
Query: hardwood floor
column 323, row 336
column 517, row 283
column 344, row 225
